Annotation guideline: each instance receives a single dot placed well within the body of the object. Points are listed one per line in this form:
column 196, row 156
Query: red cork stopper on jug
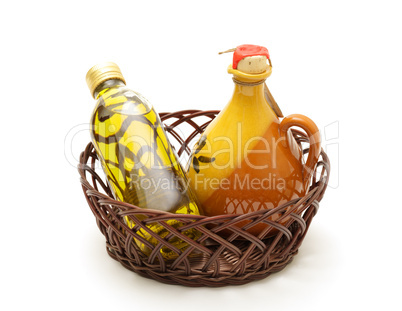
column 249, row 51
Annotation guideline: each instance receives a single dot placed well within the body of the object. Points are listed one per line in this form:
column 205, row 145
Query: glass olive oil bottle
column 140, row 165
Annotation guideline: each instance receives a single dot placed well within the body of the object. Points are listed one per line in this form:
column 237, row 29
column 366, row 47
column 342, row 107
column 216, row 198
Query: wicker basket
column 221, row 260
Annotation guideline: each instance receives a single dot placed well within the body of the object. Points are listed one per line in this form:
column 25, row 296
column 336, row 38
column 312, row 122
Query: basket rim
column 187, row 115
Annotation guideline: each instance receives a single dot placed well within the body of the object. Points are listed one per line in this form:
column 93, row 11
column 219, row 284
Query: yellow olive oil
column 140, row 165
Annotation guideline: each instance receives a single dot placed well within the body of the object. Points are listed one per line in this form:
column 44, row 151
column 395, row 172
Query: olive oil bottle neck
column 107, row 85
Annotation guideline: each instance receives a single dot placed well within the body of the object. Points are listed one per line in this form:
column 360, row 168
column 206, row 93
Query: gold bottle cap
column 101, row 73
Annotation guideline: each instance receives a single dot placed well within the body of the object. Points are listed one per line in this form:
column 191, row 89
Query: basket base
column 197, row 278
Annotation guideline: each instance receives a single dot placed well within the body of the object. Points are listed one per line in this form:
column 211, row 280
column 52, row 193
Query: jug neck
column 245, row 90
column 249, row 88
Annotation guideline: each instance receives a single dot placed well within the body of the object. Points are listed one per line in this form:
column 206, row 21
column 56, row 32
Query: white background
column 337, row 62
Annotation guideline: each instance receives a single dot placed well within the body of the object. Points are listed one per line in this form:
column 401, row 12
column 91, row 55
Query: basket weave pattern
column 219, row 260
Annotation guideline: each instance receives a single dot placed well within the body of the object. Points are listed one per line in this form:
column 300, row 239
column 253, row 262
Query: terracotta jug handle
column 312, row 133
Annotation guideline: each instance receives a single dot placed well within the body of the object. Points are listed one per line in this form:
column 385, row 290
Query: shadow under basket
column 220, row 260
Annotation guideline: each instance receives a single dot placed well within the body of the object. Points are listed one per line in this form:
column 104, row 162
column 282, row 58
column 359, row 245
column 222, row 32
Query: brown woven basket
column 221, row 260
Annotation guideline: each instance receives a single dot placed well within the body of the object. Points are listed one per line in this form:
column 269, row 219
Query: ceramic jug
column 247, row 159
